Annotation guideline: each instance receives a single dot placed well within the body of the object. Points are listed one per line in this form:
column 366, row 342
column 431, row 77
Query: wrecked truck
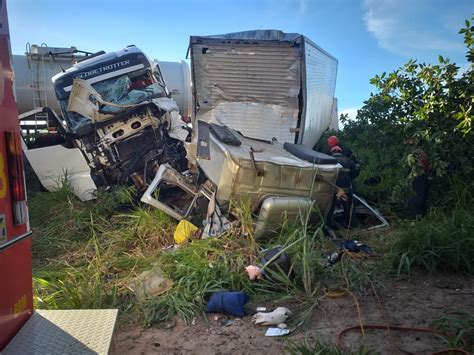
column 118, row 124
column 261, row 101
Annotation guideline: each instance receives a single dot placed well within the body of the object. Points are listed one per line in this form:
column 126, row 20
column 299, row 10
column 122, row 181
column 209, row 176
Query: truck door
column 53, row 158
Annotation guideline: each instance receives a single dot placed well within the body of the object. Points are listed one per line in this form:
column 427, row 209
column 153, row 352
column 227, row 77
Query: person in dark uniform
column 334, row 141
column 418, row 202
column 344, row 180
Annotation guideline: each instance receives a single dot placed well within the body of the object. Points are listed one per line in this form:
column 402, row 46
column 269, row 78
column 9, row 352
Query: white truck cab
column 129, row 111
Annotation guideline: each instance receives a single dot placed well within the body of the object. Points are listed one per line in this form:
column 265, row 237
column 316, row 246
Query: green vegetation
column 417, row 106
column 459, row 323
column 438, row 243
column 87, row 254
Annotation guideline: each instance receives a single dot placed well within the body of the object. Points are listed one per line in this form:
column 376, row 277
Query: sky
column 367, row 37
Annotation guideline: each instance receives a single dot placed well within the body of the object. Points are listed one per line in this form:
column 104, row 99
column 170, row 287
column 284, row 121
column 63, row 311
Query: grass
column 438, row 243
column 461, row 324
column 87, row 254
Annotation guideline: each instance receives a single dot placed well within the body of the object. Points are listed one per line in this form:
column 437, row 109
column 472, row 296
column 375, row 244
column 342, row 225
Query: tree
column 429, row 106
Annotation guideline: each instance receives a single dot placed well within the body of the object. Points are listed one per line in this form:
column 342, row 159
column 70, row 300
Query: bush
column 416, row 107
column 436, row 244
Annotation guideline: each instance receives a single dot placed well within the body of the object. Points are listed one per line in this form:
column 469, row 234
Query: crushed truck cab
column 118, row 124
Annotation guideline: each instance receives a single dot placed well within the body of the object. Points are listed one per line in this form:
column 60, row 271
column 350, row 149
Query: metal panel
column 255, row 120
column 276, row 209
column 319, row 75
column 232, row 170
column 252, row 87
column 84, row 331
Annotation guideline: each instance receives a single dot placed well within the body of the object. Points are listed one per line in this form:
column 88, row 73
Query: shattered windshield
column 128, row 89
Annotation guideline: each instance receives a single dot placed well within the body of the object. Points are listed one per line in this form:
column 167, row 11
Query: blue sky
column 366, row 36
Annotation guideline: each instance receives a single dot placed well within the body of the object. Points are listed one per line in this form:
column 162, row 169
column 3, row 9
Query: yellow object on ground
column 184, row 231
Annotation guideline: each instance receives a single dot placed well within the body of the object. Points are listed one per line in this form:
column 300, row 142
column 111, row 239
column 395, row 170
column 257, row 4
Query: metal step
column 78, row 331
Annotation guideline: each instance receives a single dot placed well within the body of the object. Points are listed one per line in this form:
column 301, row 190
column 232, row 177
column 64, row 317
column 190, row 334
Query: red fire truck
column 24, row 330
column 16, row 300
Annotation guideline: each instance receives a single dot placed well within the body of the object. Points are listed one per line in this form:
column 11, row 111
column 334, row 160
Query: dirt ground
column 415, row 303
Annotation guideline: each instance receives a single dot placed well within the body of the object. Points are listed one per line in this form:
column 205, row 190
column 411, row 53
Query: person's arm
column 354, row 169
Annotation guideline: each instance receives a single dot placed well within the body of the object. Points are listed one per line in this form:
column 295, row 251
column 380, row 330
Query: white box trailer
column 265, row 84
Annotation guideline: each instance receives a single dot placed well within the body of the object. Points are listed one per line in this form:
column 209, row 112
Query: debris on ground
column 227, row 322
column 275, row 260
column 278, row 316
column 216, row 222
column 354, row 246
column 231, row 303
column 184, row 231
column 150, row 283
column 276, row 332
column 254, row 272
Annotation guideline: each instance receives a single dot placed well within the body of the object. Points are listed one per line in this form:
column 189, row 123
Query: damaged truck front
column 262, row 99
column 118, row 125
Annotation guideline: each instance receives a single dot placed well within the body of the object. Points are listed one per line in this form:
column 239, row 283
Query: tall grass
column 88, row 254
column 199, row 269
column 60, row 221
column 461, row 324
column 438, row 243
column 308, row 248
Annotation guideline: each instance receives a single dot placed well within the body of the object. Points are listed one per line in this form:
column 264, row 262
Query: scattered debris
column 227, row 302
column 276, row 332
column 374, row 211
column 261, row 309
column 227, row 322
column 276, row 317
column 184, row 231
column 355, row 246
column 254, row 273
column 332, row 259
column 216, row 222
column 277, row 260
column 150, row 283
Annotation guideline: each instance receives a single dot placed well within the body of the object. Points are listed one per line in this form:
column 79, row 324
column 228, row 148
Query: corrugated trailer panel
column 319, row 78
column 265, row 84
column 252, row 86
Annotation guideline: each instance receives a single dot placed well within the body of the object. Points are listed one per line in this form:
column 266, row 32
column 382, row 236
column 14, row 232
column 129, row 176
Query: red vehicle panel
column 16, row 300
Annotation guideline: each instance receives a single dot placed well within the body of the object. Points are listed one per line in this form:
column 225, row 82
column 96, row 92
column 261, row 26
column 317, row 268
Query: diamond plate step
column 78, row 331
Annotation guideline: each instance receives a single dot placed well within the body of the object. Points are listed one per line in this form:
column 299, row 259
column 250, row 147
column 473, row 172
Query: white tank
column 33, row 85
column 34, row 88
column 178, row 81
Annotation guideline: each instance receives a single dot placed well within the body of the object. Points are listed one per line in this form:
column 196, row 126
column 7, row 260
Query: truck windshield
column 128, row 89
